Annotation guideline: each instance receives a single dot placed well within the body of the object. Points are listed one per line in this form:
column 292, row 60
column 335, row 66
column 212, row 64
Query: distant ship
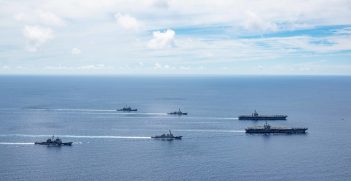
column 169, row 136
column 54, row 142
column 267, row 129
column 179, row 113
column 127, row 109
column 255, row 116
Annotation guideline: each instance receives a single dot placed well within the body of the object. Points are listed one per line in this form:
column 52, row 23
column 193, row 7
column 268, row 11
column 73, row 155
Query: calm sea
column 109, row 145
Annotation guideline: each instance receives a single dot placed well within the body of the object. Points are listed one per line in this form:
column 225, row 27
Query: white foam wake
column 14, row 143
column 212, row 130
column 203, row 117
column 104, row 137
column 96, row 111
column 129, row 113
column 73, row 110
column 80, row 136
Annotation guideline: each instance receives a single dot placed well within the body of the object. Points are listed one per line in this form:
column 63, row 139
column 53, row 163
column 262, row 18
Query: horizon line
column 178, row 75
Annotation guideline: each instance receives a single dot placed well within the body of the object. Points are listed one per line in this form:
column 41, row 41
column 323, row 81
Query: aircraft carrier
column 267, row 129
column 255, row 116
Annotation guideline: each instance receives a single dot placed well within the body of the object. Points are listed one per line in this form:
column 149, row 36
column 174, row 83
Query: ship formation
column 265, row 129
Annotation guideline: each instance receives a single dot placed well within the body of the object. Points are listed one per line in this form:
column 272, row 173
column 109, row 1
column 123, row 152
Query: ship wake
column 16, row 143
column 79, row 136
column 211, row 130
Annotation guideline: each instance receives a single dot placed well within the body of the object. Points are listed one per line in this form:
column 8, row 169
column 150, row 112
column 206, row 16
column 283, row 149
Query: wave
column 79, row 136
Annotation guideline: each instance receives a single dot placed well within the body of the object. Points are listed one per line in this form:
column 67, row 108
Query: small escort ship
column 169, row 136
column 127, row 109
column 267, row 129
column 255, row 116
column 54, row 142
column 179, row 113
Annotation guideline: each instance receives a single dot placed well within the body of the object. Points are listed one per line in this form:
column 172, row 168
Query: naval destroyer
column 127, row 109
column 179, row 113
column 168, row 136
column 54, row 142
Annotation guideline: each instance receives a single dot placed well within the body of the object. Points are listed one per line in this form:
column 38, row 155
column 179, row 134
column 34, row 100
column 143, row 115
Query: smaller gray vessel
column 54, row 142
column 169, row 136
column 179, row 113
column 127, row 109
column 267, row 129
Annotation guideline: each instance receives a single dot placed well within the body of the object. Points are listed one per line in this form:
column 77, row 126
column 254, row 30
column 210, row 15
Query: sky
column 152, row 37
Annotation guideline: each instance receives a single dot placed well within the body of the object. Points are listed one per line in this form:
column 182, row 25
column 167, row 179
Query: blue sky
column 109, row 37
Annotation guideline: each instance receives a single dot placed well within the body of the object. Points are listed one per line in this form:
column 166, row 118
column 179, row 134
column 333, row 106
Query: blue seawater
column 110, row 145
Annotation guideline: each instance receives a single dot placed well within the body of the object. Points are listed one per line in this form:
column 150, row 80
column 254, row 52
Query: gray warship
column 179, row 113
column 255, row 116
column 127, row 109
column 267, row 129
column 54, row 142
column 169, row 136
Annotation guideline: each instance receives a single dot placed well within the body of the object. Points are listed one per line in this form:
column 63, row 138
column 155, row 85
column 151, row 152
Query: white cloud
column 127, row 22
column 161, row 4
column 184, row 67
column 37, row 36
column 94, row 67
column 194, row 12
column 299, row 44
column 210, row 32
column 344, row 31
column 257, row 24
column 158, row 66
column 76, row 51
column 21, row 17
column 5, row 67
column 82, row 67
column 167, row 66
column 162, row 40
column 50, row 18
column 196, row 50
column 40, row 17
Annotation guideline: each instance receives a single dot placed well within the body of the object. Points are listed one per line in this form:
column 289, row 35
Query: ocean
column 111, row 145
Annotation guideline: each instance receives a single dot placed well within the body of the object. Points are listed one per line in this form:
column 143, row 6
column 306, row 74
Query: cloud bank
column 169, row 36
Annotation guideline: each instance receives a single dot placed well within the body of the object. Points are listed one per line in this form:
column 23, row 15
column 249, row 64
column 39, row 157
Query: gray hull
column 54, row 144
column 165, row 137
column 276, row 131
column 256, row 118
column 179, row 114
column 128, row 110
